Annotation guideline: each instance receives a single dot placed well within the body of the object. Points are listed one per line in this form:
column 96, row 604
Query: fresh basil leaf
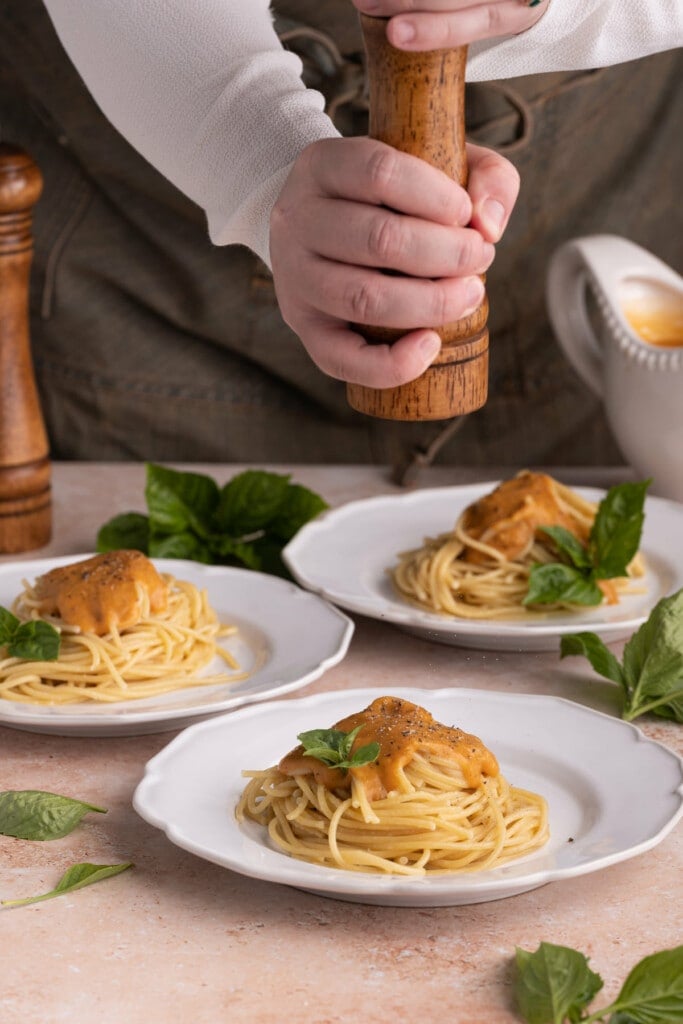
column 347, row 742
column 250, row 502
column 553, row 983
column 179, row 545
column 34, row 814
column 653, row 991
column 268, row 550
column 178, row 501
column 653, row 662
column 35, row 641
column 77, row 876
column 364, row 755
column 617, row 528
column 299, row 506
column 8, row 626
column 127, row 532
column 555, row 582
column 333, row 747
column 569, row 545
column 236, row 552
column 592, row 647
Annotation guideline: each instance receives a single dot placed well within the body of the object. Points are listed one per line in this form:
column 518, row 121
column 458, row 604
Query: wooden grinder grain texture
column 417, row 106
column 25, row 493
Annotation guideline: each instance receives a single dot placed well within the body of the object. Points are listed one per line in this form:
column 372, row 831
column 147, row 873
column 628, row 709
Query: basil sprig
column 333, row 747
column 554, row 985
column 76, row 877
column 651, row 671
column 247, row 522
column 37, row 815
column 35, row 640
column 612, row 543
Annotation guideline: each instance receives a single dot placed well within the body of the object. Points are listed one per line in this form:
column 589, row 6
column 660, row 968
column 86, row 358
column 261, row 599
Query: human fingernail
column 493, row 217
column 430, row 345
column 474, row 293
column 403, row 32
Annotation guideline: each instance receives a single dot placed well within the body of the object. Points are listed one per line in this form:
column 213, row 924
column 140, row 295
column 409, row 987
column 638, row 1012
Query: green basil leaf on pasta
column 555, row 582
column 617, row 528
column 76, row 877
column 553, row 984
column 364, row 755
column 333, row 747
column 127, row 532
column 569, row 545
column 8, row 626
column 40, row 816
column 35, row 641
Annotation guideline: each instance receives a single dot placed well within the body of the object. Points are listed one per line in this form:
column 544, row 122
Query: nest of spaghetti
column 432, row 802
column 126, row 632
column 481, row 568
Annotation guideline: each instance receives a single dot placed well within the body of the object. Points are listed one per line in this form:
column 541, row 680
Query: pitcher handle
column 598, row 262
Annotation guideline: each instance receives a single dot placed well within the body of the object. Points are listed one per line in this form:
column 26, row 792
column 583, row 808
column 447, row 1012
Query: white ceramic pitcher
column 641, row 383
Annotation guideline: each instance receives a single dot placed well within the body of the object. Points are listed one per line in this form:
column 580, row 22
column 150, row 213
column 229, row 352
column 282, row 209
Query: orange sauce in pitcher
column 661, row 326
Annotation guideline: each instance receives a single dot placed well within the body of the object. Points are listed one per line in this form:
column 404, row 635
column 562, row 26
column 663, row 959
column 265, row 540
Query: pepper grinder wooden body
column 417, row 105
column 25, row 494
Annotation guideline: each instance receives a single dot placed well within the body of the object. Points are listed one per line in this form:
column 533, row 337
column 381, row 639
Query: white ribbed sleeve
column 204, row 91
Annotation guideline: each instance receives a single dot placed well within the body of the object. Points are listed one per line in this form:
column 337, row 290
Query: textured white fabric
column 204, row 91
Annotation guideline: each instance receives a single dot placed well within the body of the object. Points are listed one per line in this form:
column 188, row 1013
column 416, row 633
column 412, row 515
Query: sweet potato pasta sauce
column 102, row 593
column 508, row 518
column 402, row 730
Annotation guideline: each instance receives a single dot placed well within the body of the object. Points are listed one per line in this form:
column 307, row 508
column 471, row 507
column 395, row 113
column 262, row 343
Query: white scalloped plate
column 344, row 555
column 287, row 637
column 612, row 793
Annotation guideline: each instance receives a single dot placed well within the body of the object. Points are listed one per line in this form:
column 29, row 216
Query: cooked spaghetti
column 433, row 802
column 127, row 632
column 480, row 569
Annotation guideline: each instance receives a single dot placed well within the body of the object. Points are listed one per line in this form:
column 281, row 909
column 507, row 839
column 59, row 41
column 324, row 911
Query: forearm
column 205, row 92
column 589, row 34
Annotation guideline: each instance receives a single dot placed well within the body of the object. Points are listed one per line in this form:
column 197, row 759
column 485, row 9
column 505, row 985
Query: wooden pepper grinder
column 25, row 499
column 417, row 104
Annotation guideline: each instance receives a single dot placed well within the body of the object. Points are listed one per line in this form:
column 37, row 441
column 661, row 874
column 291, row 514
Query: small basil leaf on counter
column 553, row 984
column 617, row 528
column 250, row 501
column 569, row 545
column 76, row 877
column 178, row 501
column 653, row 991
column 179, row 545
column 651, row 672
column 592, row 647
column 557, row 582
column 127, row 532
column 37, row 815
column 299, row 506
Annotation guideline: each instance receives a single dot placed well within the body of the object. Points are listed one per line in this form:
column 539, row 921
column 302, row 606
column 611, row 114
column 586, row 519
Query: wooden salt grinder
column 25, row 502
column 417, row 104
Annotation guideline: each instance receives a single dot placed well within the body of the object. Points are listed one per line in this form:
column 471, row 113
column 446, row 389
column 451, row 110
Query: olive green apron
column 150, row 343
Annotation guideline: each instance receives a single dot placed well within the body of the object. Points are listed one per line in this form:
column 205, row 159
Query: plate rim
column 347, row 885
column 425, row 622
column 71, row 718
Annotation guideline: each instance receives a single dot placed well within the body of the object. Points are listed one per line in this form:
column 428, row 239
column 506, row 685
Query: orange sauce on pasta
column 507, row 519
column 103, row 592
column 402, row 730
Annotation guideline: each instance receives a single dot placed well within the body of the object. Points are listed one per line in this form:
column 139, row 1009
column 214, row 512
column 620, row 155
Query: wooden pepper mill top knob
column 417, row 105
column 25, row 498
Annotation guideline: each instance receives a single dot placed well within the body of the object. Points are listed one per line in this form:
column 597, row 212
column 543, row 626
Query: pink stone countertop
column 179, row 939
